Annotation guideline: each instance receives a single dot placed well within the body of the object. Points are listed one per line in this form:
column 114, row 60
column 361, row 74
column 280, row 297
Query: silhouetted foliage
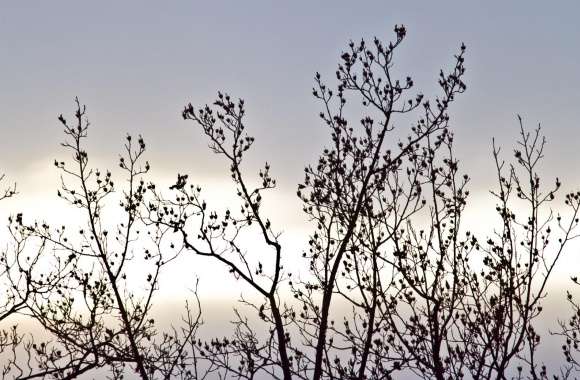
column 395, row 284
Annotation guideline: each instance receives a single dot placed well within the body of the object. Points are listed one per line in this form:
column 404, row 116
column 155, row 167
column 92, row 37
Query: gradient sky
column 136, row 63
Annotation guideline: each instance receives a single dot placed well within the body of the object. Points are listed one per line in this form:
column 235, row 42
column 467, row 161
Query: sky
column 135, row 64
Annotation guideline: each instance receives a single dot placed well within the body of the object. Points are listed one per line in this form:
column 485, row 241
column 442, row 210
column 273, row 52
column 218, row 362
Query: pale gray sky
column 136, row 63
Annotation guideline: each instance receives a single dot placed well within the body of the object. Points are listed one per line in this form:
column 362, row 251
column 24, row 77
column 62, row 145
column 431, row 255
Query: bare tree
column 11, row 303
column 518, row 260
column 23, row 276
column 354, row 192
column 97, row 316
column 469, row 307
column 345, row 196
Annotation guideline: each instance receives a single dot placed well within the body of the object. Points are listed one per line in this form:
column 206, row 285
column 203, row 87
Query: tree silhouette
column 10, row 303
column 352, row 196
column 93, row 315
column 23, row 277
column 395, row 284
